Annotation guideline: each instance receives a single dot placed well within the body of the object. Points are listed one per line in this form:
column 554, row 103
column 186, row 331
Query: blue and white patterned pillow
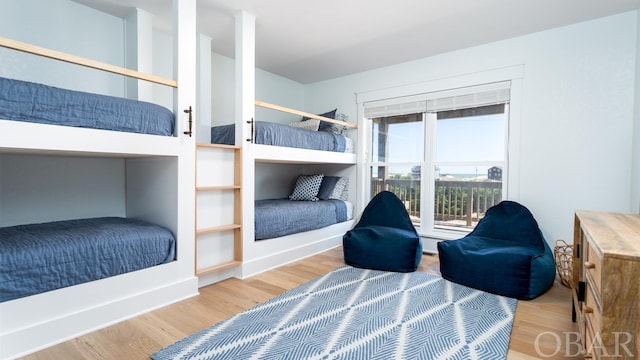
column 341, row 189
column 307, row 187
column 324, row 126
column 335, row 128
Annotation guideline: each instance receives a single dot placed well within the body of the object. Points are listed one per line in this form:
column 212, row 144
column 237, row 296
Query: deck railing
column 458, row 203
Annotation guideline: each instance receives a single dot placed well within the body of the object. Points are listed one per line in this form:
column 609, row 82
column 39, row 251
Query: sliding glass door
column 443, row 154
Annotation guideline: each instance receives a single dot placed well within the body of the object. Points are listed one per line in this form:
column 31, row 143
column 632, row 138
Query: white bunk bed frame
column 262, row 255
column 39, row 321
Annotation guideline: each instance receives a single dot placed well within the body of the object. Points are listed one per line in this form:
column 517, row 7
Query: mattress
column 280, row 217
column 41, row 257
column 267, row 133
column 32, row 102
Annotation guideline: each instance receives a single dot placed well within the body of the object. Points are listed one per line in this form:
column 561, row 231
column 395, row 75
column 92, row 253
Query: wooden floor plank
column 541, row 326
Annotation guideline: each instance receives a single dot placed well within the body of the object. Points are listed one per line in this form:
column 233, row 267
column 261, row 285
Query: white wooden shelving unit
column 218, row 209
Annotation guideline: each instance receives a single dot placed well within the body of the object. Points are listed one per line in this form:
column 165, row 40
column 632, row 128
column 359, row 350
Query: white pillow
column 311, row 124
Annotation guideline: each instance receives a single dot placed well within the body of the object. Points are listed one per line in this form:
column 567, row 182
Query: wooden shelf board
column 218, row 146
column 220, row 267
column 218, row 187
column 218, row 229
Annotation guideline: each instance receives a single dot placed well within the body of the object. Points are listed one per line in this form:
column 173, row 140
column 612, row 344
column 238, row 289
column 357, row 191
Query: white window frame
column 428, row 180
column 513, row 74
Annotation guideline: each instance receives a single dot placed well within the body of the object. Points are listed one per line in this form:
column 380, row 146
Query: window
column 397, row 151
column 444, row 154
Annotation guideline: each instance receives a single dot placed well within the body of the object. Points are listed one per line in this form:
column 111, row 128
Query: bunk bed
column 39, row 103
column 268, row 133
column 280, row 217
column 276, row 230
column 34, row 255
column 313, row 132
column 37, row 258
column 320, row 139
column 284, row 230
column 317, row 201
column 63, row 277
column 34, row 109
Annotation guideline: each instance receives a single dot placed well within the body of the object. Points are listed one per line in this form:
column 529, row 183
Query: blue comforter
column 267, row 133
column 280, row 217
column 31, row 102
column 41, row 257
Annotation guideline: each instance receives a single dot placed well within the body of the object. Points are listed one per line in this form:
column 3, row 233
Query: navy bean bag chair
column 505, row 254
column 384, row 238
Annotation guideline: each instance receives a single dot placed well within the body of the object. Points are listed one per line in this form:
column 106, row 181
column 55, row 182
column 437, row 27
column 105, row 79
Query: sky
column 479, row 138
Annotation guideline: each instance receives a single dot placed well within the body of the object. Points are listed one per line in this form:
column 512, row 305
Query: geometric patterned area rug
column 353, row 313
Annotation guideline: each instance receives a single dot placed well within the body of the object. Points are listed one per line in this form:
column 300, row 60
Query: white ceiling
column 315, row 40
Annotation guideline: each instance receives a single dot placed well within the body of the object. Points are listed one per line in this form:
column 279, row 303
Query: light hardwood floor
column 541, row 326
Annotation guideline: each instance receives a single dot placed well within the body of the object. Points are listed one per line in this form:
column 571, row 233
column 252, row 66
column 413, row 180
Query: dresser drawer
column 590, row 343
column 591, row 308
column 593, row 268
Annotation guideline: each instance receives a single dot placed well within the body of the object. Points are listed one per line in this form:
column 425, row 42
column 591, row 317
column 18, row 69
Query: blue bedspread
column 31, row 102
column 279, row 217
column 267, row 133
column 41, row 257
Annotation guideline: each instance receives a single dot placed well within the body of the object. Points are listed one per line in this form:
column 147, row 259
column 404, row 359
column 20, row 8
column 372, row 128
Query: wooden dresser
column 606, row 283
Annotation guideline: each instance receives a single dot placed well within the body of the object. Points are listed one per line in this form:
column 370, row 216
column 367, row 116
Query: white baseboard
column 429, row 245
column 256, row 266
column 213, row 278
column 66, row 323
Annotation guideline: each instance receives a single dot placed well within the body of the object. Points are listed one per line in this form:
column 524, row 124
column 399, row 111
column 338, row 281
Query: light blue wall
column 577, row 116
column 281, row 91
column 65, row 26
column 69, row 27
column 48, row 188
column 163, row 66
column 223, row 89
column 270, row 88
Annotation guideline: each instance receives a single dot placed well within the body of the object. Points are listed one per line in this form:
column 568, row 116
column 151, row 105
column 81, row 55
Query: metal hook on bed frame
column 252, row 135
column 190, row 112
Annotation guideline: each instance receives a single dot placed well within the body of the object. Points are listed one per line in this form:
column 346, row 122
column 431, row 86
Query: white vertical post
column 184, row 55
column 245, row 74
column 184, row 62
column 363, row 166
column 245, row 111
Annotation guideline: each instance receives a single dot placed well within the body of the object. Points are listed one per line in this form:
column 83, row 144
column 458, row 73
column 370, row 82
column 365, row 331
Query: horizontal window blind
column 467, row 97
column 476, row 99
column 394, row 108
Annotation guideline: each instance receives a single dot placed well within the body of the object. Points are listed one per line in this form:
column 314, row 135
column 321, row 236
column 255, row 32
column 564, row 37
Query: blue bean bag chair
column 384, row 238
column 505, row 254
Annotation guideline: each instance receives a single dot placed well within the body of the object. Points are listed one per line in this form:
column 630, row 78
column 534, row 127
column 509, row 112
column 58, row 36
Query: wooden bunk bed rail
column 73, row 59
column 305, row 114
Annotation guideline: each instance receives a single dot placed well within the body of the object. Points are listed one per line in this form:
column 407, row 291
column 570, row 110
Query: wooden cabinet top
column 617, row 235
